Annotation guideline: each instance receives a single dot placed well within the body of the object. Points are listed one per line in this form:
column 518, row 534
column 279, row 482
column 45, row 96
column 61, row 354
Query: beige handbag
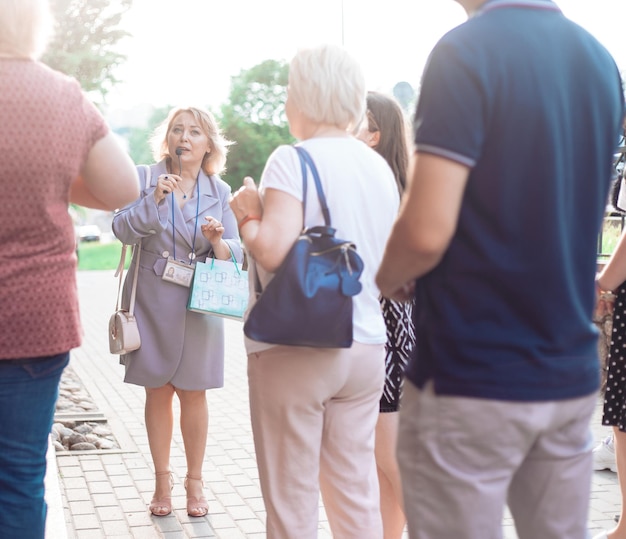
column 123, row 331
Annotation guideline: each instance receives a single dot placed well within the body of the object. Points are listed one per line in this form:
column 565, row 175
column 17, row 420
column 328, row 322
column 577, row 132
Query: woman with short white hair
column 314, row 410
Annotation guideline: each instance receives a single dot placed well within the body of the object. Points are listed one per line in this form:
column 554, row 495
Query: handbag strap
column 135, row 248
column 120, row 272
column 307, row 160
column 232, row 257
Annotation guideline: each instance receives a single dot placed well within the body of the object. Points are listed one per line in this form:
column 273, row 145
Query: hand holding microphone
column 166, row 184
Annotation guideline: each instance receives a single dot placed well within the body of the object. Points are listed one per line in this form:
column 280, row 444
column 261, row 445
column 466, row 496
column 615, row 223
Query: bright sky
column 184, row 52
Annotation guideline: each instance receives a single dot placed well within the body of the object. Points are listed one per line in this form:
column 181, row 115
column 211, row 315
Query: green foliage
column 139, row 138
column 406, row 96
column 254, row 118
column 100, row 256
column 609, row 237
column 86, row 33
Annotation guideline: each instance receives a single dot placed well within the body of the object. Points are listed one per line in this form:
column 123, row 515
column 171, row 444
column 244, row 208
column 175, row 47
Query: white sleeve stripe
column 447, row 154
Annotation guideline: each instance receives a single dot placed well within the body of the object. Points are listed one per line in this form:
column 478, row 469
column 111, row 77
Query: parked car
column 89, row 233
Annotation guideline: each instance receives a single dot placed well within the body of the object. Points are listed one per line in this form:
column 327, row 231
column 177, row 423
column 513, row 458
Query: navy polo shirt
column 533, row 104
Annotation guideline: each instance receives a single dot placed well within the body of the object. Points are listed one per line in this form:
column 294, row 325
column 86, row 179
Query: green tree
column 83, row 45
column 254, row 118
column 406, row 96
column 139, row 138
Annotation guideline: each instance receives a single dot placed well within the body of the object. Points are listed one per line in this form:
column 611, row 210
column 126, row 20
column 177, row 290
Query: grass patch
column 100, row 256
column 106, row 256
column 611, row 232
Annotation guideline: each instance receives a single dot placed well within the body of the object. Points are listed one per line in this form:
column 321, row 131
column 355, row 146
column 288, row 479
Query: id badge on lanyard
column 178, row 272
column 175, row 271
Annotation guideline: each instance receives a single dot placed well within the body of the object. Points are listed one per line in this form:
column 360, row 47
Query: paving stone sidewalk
column 104, row 494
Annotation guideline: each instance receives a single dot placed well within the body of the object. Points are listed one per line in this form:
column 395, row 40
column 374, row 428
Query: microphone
column 179, row 151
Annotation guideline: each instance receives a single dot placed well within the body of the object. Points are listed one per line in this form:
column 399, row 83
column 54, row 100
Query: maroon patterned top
column 47, row 128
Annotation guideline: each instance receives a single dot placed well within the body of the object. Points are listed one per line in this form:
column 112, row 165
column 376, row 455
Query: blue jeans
column 28, row 392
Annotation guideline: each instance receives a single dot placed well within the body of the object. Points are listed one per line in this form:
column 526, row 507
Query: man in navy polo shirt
column 517, row 121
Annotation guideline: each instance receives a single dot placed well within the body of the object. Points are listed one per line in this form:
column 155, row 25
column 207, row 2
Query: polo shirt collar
column 489, row 5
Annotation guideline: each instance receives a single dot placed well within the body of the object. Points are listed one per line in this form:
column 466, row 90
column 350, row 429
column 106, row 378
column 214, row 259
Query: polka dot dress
column 614, row 413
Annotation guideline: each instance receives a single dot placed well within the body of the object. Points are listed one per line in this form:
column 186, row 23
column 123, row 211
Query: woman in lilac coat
column 182, row 217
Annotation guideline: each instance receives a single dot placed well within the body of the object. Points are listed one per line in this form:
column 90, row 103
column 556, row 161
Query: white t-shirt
column 363, row 202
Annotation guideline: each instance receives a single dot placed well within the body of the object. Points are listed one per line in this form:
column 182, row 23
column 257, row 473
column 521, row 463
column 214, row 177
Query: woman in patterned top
column 384, row 130
column 57, row 150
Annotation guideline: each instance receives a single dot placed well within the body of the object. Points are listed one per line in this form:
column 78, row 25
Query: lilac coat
column 178, row 346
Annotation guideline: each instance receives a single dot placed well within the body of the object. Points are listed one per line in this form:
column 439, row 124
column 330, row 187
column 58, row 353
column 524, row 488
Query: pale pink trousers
column 462, row 460
column 313, row 415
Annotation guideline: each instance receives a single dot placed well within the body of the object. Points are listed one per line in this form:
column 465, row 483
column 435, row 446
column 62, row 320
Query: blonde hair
column 213, row 162
column 25, row 27
column 328, row 86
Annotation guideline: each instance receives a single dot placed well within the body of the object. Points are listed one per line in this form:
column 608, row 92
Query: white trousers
column 463, row 459
column 313, row 415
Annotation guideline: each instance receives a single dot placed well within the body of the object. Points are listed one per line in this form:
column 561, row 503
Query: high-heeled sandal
column 196, row 507
column 161, row 507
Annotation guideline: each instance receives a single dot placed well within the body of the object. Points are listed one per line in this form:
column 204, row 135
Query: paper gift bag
column 220, row 288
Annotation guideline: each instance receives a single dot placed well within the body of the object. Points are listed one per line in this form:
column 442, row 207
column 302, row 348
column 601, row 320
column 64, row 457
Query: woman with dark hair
column 384, row 130
column 611, row 293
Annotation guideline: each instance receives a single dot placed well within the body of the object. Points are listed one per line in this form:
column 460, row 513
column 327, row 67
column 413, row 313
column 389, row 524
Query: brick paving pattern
column 104, row 494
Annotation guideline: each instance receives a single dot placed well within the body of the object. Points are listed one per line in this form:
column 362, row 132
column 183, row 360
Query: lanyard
column 195, row 228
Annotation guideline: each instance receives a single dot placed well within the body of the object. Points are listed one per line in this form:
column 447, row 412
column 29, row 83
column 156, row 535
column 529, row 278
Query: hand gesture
column 212, row 230
column 246, row 201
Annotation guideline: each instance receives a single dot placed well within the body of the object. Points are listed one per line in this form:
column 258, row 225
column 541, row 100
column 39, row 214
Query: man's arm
column 425, row 225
